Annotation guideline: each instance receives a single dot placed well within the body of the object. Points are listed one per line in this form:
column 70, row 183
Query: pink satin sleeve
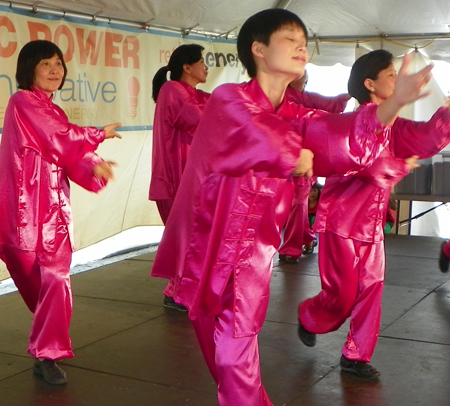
column 344, row 143
column 181, row 107
column 46, row 129
column 335, row 104
column 421, row 138
column 385, row 172
column 82, row 173
column 190, row 112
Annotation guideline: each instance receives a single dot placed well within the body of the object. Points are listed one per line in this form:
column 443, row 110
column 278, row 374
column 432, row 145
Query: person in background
column 391, row 216
column 179, row 106
column 237, row 188
column 310, row 240
column 39, row 152
column 351, row 217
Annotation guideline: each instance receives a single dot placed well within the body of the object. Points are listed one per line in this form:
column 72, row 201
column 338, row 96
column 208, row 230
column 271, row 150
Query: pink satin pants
column 352, row 277
column 296, row 230
column 164, row 207
column 42, row 279
column 233, row 362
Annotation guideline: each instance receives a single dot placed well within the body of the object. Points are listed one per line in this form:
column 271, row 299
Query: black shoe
column 309, row 249
column 50, row 371
column 307, row 338
column 289, row 259
column 360, row 368
column 443, row 260
column 171, row 304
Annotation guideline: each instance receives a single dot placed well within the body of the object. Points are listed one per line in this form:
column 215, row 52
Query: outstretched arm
column 334, row 104
column 422, row 138
column 408, row 89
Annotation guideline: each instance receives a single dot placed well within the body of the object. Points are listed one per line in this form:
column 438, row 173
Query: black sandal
column 289, row 259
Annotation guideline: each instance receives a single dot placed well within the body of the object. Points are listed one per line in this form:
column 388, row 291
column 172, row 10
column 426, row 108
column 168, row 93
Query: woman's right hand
column 104, row 170
column 304, row 165
column 409, row 88
column 412, row 162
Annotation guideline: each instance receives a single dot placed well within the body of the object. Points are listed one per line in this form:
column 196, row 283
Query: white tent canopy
column 335, row 26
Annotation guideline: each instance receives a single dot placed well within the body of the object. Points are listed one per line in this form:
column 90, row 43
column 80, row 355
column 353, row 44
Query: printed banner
column 109, row 70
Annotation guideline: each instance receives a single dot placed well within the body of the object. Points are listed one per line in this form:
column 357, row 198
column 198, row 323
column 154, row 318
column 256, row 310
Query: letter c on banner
column 8, row 51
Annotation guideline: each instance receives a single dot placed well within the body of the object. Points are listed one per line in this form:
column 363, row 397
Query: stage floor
column 132, row 351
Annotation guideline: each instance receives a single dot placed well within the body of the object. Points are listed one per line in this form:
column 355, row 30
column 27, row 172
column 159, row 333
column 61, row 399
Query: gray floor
column 130, row 350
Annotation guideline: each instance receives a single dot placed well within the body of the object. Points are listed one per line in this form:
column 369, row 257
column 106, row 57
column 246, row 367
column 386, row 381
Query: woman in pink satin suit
column 39, row 152
column 351, row 217
column 236, row 192
column 310, row 240
column 179, row 106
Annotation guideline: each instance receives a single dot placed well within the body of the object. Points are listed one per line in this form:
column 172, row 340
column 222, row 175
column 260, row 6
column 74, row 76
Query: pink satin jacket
column 39, row 151
column 236, row 193
column 177, row 114
column 355, row 206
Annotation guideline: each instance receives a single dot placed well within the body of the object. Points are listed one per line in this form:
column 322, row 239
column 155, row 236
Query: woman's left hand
column 110, row 130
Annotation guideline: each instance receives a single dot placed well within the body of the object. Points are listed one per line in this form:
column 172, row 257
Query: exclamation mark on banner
column 133, row 93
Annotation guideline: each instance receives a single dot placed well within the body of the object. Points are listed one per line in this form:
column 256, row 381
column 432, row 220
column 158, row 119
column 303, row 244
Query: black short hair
column 260, row 27
column 319, row 187
column 30, row 55
column 365, row 67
